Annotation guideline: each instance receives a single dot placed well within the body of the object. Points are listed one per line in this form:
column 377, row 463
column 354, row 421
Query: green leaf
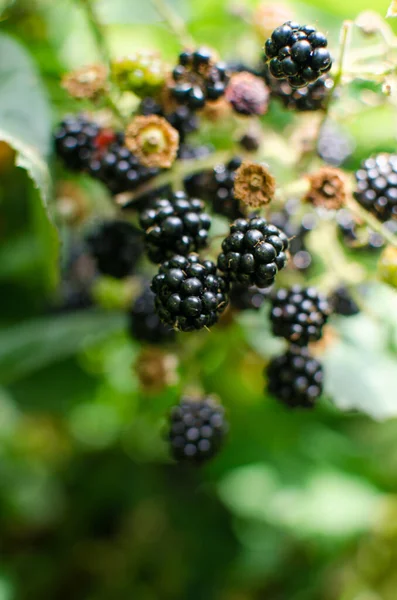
column 31, row 346
column 120, row 11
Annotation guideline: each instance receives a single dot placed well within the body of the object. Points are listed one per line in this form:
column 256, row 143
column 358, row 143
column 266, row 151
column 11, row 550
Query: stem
column 180, row 170
column 97, row 31
column 174, row 22
column 371, row 221
column 344, row 38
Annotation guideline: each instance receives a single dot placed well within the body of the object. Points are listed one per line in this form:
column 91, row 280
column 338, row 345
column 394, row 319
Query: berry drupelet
column 197, row 429
column 116, row 247
column 298, row 54
column 176, row 225
column 254, row 252
column 119, row 169
column 309, row 98
column 377, row 186
column 144, row 322
column 189, row 293
column 75, row 141
column 295, row 378
column 299, row 314
column 197, row 79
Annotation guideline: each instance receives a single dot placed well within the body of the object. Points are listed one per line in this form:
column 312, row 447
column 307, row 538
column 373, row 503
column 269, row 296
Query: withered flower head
column 89, row 82
column 247, row 94
column 328, row 188
column 253, row 184
column 153, row 141
column 156, row 369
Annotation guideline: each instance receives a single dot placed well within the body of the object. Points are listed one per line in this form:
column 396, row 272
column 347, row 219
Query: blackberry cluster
column 116, row 247
column 216, row 186
column 243, row 298
column 197, row 429
column 144, row 322
column 342, row 303
column 299, row 314
column 189, row 293
column 198, row 79
column 295, row 378
column 174, row 226
column 74, row 140
column 298, row 54
column 254, row 252
column 377, row 186
column 182, row 118
column 309, row 98
column 119, row 169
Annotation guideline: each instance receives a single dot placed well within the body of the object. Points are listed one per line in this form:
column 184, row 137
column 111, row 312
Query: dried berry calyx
column 254, row 184
column 328, row 188
column 153, row 141
column 89, row 82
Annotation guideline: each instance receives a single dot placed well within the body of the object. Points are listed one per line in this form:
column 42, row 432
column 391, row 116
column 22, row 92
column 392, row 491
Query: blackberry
column 296, row 233
column 254, row 252
column 144, row 322
column 117, row 247
column 74, row 140
column 216, row 187
column 305, row 99
column 119, row 169
column 377, row 186
column 334, row 145
column 243, row 298
column 352, row 233
column 174, row 226
column 197, row 430
column 298, row 54
column 142, row 73
column 295, row 378
column 198, row 79
column 189, row 293
column 342, row 303
column 182, row 118
column 299, row 314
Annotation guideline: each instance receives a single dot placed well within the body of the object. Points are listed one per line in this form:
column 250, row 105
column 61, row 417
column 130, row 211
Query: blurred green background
column 298, row 506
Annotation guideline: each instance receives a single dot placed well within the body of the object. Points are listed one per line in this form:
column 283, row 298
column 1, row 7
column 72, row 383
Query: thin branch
column 372, row 222
column 180, row 170
column 174, row 22
column 97, row 31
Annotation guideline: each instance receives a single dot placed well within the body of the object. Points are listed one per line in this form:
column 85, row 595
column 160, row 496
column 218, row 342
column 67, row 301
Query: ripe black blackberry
column 74, row 140
column 334, row 145
column 377, row 186
column 243, row 298
column 116, row 247
column 182, row 118
column 197, row 429
column 216, row 187
column 298, row 54
column 309, row 98
column 342, row 303
column 295, row 378
column 358, row 237
column 254, row 252
column 299, row 314
column 176, row 225
column 189, row 293
column 144, row 322
column 119, row 169
column 197, row 78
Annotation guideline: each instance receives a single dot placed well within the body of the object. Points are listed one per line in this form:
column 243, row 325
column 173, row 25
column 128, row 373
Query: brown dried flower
column 253, row 184
column 328, row 188
column 247, row 94
column 153, row 141
column 156, row 370
column 89, row 82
